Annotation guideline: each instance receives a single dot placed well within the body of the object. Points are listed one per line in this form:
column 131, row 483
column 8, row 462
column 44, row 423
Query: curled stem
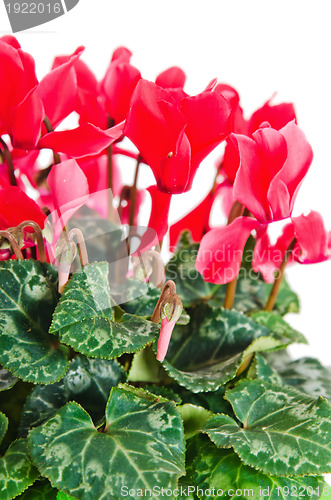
column 279, row 278
column 13, row 243
column 39, row 237
column 7, row 156
column 81, row 245
column 151, row 261
column 168, row 289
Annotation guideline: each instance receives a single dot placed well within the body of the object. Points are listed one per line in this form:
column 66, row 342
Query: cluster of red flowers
column 265, row 158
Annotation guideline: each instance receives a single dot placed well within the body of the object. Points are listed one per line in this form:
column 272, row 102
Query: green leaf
column 145, row 368
column 308, row 375
column 7, row 380
column 16, row 470
column 213, row 401
column 194, row 418
column 284, row 431
column 142, row 305
column 263, row 371
column 3, row 425
column 165, row 392
column 63, row 496
column 41, row 490
column 142, row 446
column 85, row 320
column 206, row 353
column 251, row 293
column 222, row 470
column 87, row 381
column 278, row 326
column 28, row 295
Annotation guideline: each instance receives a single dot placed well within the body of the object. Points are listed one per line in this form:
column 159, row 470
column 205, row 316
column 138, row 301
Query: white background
column 259, row 47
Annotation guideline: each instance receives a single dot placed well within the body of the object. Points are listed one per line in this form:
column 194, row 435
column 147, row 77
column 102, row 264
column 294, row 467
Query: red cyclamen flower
column 173, row 137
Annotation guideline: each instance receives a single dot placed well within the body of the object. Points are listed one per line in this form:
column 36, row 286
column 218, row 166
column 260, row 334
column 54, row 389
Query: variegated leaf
column 28, row 296
column 206, row 353
column 221, row 474
column 17, row 472
column 284, row 432
column 85, row 318
column 87, row 381
column 142, row 446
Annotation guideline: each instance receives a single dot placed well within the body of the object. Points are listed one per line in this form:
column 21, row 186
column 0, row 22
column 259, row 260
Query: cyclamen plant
column 122, row 376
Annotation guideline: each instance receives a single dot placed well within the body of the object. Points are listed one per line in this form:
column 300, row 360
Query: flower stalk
column 279, row 278
column 8, row 158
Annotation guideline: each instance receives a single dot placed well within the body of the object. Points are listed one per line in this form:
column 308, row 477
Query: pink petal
column 220, row 253
column 164, row 338
column 69, row 189
column 312, row 238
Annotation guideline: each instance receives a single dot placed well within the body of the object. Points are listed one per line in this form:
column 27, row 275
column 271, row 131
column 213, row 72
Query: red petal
column 155, row 125
column 17, row 207
column 208, row 116
column 10, row 40
column 220, row 253
column 268, row 258
column 196, row 221
column 299, row 158
column 171, row 78
column 278, row 116
column 26, row 121
column 261, row 158
column 85, row 140
column 58, row 90
column 160, row 211
column 118, row 85
column 312, row 238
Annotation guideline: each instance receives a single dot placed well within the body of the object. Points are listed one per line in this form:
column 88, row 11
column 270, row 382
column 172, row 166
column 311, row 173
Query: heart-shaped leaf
column 16, row 470
column 87, row 381
column 284, row 432
column 85, row 320
column 28, row 296
column 142, row 446
column 220, row 474
column 206, row 353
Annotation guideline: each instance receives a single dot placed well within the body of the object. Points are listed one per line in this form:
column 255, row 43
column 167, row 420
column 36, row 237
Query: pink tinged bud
column 164, row 338
column 64, row 271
